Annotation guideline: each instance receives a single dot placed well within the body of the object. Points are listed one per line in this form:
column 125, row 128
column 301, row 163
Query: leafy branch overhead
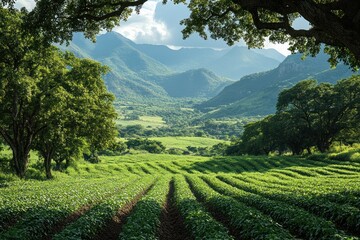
column 335, row 23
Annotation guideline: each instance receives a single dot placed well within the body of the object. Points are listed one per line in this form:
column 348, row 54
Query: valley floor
column 186, row 197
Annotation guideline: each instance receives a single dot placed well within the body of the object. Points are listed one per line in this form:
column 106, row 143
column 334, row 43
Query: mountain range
column 256, row 94
column 143, row 71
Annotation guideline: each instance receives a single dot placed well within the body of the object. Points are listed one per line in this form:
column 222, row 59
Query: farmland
column 146, row 196
column 183, row 142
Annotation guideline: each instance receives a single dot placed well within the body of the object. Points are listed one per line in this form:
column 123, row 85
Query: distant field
column 149, row 196
column 183, row 142
column 145, row 121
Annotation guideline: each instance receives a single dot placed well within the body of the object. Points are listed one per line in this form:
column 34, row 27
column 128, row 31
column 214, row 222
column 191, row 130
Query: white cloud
column 144, row 28
column 281, row 48
column 28, row 4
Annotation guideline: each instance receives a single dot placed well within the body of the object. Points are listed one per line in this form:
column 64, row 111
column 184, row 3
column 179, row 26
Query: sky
column 159, row 24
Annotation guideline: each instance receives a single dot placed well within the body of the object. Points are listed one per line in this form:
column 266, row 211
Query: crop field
column 145, row 121
column 187, row 197
column 182, row 142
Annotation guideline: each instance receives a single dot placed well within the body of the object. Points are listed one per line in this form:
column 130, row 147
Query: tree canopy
column 308, row 115
column 335, row 23
column 50, row 101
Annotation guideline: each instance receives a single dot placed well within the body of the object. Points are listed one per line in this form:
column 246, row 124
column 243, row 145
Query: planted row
column 247, row 222
column 196, row 219
column 144, row 221
column 344, row 215
column 47, row 207
column 94, row 220
column 296, row 220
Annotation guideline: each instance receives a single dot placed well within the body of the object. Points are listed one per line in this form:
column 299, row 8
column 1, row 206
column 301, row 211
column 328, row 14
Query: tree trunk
column 47, row 165
column 47, row 153
column 20, row 160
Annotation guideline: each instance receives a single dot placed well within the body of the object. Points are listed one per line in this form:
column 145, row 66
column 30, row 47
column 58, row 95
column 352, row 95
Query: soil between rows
column 172, row 226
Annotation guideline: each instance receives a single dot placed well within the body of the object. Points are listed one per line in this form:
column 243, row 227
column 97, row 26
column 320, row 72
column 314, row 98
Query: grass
column 145, row 121
column 183, row 142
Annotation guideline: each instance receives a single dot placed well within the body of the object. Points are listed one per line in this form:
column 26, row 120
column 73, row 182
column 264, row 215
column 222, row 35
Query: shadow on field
column 255, row 164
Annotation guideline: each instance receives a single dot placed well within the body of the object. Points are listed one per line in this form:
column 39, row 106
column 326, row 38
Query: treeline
column 309, row 116
column 50, row 102
column 197, row 128
column 154, row 146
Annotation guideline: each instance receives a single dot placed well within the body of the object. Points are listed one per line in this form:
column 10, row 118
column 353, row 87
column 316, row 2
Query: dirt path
column 172, row 226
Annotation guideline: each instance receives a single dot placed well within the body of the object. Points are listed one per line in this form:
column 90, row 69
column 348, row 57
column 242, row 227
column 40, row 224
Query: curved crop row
column 325, row 189
column 248, row 222
column 344, row 215
column 295, row 219
column 95, row 219
column 144, row 221
column 197, row 221
column 46, row 207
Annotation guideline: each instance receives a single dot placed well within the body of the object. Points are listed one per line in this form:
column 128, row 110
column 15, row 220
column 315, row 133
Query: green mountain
column 240, row 61
column 256, row 94
column 136, row 76
column 231, row 63
column 193, row 83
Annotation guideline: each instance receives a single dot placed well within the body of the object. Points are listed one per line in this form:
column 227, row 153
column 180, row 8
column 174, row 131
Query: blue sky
column 159, row 24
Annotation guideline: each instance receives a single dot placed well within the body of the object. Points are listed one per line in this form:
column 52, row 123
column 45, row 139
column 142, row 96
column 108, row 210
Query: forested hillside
column 256, row 94
column 140, row 71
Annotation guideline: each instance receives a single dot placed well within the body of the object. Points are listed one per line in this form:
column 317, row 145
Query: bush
column 346, row 156
column 152, row 146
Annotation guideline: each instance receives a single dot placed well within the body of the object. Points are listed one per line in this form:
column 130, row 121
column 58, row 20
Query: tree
column 333, row 22
column 48, row 97
column 28, row 71
column 322, row 111
column 79, row 113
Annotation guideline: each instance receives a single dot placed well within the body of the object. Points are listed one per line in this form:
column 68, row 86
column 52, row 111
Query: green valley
column 114, row 126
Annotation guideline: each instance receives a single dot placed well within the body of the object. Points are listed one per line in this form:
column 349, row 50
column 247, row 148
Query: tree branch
column 116, row 13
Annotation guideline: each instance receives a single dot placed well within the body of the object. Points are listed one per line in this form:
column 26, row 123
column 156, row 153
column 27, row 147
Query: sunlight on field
column 183, row 142
column 145, row 121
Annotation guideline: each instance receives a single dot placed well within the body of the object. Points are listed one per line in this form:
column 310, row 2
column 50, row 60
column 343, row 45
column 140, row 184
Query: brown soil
column 172, row 226
column 216, row 215
column 71, row 218
column 113, row 228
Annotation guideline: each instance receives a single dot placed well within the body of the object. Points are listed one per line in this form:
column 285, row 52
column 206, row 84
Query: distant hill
column 193, row 83
column 231, row 63
column 137, row 76
column 256, row 94
column 240, row 61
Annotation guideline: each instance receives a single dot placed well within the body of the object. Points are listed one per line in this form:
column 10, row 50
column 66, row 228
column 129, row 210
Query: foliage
column 89, row 224
column 49, row 206
column 252, row 197
column 197, row 221
column 51, row 101
column 308, row 115
column 151, row 146
column 144, row 221
column 250, row 223
column 332, row 23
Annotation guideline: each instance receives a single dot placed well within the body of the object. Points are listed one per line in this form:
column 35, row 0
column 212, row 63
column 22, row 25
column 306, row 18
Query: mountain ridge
column 256, row 94
column 138, row 73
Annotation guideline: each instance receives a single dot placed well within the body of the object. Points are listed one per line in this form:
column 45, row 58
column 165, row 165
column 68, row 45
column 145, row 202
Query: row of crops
column 216, row 199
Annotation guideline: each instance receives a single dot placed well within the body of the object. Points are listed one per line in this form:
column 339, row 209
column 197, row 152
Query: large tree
column 46, row 94
column 335, row 23
column 322, row 111
column 77, row 115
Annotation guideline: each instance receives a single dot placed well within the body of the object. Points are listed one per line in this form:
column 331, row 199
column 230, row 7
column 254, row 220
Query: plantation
column 152, row 196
